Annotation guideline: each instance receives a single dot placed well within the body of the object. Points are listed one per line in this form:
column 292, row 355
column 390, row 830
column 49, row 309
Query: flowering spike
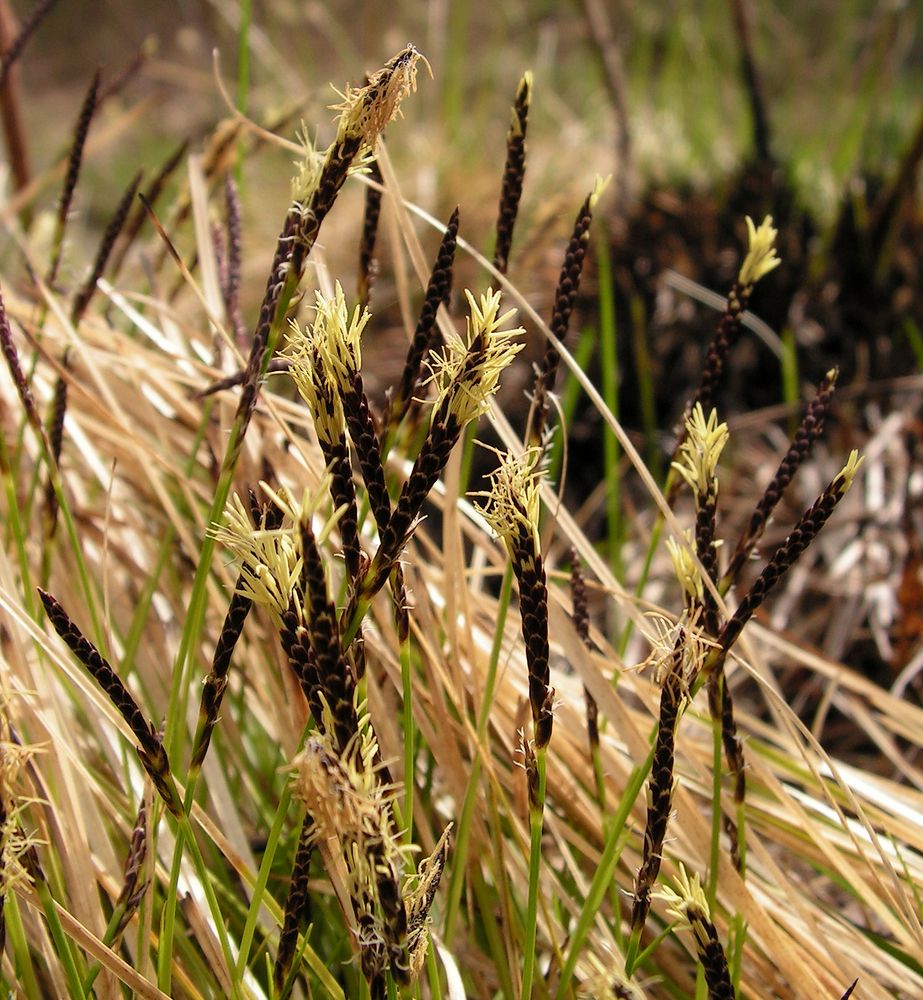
column 365, row 111
column 467, row 373
column 701, row 448
column 685, row 567
column 761, row 253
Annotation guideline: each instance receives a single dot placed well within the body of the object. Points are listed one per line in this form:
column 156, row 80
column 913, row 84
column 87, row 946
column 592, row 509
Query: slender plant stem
column 22, row 965
column 536, row 823
column 432, row 971
column 608, row 334
column 409, row 742
column 715, row 847
column 63, row 949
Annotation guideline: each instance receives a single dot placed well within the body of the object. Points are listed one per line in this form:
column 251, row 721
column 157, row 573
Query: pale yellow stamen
column 701, row 450
column 467, row 372
column 761, row 253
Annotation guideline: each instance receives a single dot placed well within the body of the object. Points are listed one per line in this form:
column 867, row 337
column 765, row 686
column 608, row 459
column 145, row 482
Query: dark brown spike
column 151, row 195
column 810, row 430
column 343, row 494
column 231, row 289
column 367, row 445
column 565, row 295
column 11, row 355
column 367, row 263
column 296, row 906
column 581, row 619
column 296, row 645
column 133, row 888
column 533, row 610
column 438, row 289
column 72, row 175
column 56, row 415
column 711, row 955
column 726, row 336
column 35, row 17
column 804, row 532
column 269, row 518
column 660, row 788
column 83, row 298
column 514, row 171
column 103, row 674
column 431, row 460
column 721, row 707
column 336, row 679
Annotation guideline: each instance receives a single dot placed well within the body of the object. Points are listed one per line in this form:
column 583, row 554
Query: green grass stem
column 536, row 825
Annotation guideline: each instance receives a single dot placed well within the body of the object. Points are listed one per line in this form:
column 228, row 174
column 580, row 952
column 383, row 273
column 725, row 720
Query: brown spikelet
column 420, row 901
column 514, row 171
column 296, row 905
column 721, row 707
column 711, row 955
column 320, row 620
column 133, row 888
column 811, row 428
column 726, row 335
column 660, row 788
column 804, row 532
column 370, row 217
column 512, row 510
column 297, row 647
column 581, row 619
column 760, row 260
column 35, row 17
column 367, row 446
column 217, row 680
column 438, row 289
column 150, row 750
column 85, row 294
column 565, row 295
column 72, row 174
column 152, row 194
column 11, row 356
column 231, row 285
column 57, row 412
column 365, row 113
column 434, row 454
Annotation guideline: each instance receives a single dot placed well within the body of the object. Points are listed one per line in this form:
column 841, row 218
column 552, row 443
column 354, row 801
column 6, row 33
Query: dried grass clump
column 363, row 768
